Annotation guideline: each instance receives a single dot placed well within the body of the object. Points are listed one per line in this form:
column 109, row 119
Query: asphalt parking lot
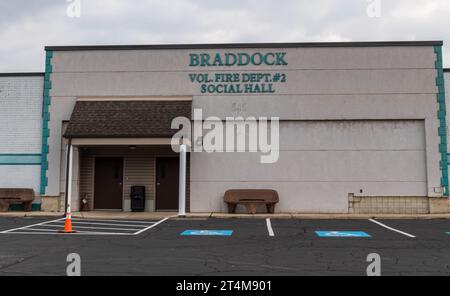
column 231, row 247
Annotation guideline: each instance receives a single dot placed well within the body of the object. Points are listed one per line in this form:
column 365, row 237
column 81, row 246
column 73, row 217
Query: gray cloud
column 26, row 26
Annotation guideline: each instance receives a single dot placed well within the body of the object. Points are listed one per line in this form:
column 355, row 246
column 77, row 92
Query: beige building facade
column 361, row 125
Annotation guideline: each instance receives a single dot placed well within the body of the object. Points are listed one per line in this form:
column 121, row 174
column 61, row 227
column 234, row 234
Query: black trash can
column 138, row 198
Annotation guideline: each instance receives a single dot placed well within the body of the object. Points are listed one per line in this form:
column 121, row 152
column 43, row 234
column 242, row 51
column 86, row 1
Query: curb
column 145, row 216
column 31, row 214
column 321, row 216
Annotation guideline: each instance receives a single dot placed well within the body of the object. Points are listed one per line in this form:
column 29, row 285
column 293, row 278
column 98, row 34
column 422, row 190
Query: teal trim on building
column 46, row 118
column 20, row 159
column 19, row 208
column 442, row 119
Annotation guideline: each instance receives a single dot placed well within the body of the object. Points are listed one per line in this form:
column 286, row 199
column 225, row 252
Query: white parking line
column 269, row 227
column 393, row 229
column 29, row 226
column 76, row 233
column 150, row 227
column 120, row 221
column 104, row 224
column 97, row 227
column 41, row 230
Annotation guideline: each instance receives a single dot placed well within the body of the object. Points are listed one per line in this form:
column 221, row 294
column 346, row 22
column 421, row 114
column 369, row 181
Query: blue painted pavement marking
column 342, row 234
column 208, row 232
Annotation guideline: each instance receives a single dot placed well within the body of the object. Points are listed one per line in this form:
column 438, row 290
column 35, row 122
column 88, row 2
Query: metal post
column 69, row 183
column 69, row 144
column 182, row 192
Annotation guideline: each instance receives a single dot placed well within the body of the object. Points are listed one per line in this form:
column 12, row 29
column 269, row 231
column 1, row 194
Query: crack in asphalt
column 19, row 261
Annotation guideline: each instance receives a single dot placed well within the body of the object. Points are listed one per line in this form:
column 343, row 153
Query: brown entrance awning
column 126, row 119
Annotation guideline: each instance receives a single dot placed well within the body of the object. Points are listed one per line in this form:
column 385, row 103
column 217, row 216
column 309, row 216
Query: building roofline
column 244, row 45
column 22, row 74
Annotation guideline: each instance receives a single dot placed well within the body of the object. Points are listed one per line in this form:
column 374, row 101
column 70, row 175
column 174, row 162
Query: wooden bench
column 12, row 196
column 251, row 198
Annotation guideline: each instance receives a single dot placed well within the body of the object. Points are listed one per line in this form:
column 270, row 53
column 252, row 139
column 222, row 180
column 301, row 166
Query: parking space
column 318, row 229
column 201, row 228
column 86, row 227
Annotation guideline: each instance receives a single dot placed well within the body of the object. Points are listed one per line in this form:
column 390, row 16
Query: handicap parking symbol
column 347, row 234
column 208, row 233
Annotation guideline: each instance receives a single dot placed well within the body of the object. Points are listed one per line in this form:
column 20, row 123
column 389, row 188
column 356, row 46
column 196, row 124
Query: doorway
column 108, row 188
column 167, row 183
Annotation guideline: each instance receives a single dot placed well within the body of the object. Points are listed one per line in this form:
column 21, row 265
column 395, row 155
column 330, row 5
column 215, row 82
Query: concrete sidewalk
column 94, row 215
column 162, row 215
column 125, row 215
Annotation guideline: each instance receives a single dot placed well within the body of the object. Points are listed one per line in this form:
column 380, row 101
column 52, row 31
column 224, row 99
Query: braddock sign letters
column 239, row 59
column 235, row 82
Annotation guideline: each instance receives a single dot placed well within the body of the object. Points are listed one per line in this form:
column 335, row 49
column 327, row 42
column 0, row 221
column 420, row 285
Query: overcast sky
column 26, row 26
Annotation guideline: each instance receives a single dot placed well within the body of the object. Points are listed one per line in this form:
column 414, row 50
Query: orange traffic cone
column 68, row 224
